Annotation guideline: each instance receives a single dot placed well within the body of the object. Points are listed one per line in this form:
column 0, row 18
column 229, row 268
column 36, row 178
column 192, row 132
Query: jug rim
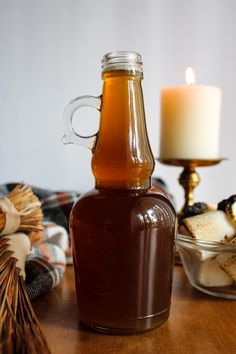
column 122, row 60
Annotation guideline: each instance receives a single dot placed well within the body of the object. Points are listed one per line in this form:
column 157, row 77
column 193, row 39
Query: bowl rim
column 215, row 246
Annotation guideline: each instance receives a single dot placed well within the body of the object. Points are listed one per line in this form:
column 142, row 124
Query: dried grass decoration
column 20, row 228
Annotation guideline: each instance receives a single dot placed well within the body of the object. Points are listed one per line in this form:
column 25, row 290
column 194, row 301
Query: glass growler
column 123, row 230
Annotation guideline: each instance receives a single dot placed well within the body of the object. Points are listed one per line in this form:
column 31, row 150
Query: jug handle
column 71, row 136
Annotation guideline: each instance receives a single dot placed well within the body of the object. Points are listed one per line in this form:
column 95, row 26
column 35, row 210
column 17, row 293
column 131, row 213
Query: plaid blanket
column 46, row 263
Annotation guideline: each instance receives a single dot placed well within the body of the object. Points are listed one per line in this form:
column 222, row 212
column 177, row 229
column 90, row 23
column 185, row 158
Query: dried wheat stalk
column 27, row 208
column 19, row 329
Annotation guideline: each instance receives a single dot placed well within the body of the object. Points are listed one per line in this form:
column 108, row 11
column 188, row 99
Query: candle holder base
column 189, row 178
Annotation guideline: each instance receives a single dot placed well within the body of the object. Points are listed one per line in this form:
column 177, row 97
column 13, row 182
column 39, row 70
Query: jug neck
column 122, row 156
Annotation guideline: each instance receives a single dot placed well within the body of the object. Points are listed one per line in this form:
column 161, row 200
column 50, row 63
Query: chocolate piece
column 195, row 209
column 229, row 207
column 225, row 202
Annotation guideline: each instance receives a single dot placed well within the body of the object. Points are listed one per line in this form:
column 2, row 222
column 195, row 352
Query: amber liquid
column 123, row 259
column 122, row 233
column 122, row 156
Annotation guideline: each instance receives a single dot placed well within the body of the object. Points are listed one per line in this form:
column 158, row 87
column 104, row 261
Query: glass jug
column 123, row 230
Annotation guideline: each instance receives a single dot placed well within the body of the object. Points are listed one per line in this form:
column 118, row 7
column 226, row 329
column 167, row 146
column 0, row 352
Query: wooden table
column 198, row 324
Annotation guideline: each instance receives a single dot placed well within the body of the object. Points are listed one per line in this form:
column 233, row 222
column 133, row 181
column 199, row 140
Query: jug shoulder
column 125, row 206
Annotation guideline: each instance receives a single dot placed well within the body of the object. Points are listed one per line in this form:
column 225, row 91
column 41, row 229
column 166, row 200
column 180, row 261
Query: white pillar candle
column 190, row 121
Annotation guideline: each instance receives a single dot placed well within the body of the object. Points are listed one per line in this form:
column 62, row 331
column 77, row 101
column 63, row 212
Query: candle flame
column 190, row 76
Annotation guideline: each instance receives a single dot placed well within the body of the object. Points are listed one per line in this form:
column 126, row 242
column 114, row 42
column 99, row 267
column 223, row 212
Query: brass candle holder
column 189, row 177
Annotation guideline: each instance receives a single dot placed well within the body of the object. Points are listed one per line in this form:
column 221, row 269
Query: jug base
column 132, row 326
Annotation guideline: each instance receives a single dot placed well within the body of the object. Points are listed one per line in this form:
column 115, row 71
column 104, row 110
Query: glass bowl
column 210, row 266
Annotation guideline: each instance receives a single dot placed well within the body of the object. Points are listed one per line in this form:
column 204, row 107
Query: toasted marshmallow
column 231, row 212
column 210, row 226
column 228, row 263
column 211, row 274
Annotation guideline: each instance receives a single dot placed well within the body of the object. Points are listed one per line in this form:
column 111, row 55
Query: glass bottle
column 122, row 231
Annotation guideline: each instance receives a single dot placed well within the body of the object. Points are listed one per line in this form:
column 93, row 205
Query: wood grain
column 198, row 324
